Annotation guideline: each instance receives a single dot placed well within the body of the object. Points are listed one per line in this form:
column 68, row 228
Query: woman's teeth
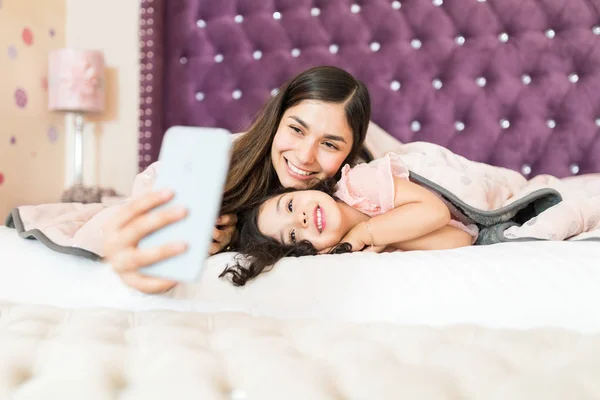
column 298, row 170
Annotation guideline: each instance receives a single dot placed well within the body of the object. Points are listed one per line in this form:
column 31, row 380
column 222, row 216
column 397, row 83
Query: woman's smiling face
column 312, row 141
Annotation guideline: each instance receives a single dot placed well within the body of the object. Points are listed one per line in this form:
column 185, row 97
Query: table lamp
column 76, row 84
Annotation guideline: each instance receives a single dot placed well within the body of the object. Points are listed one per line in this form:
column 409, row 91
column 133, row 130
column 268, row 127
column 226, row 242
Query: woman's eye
column 331, row 145
column 295, row 129
column 293, row 236
column 289, row 206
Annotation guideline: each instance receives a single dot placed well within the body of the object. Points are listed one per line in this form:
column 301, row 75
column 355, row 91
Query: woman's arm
column 417, row 213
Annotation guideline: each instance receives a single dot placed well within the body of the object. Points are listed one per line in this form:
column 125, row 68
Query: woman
column 315, row 124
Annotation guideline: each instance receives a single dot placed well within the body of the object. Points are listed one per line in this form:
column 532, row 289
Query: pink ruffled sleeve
column 370, row 187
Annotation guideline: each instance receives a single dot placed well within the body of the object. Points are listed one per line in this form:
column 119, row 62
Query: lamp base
column 79, row 193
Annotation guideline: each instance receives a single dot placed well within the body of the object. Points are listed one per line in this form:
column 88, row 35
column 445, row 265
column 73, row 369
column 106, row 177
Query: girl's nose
column 302, row 220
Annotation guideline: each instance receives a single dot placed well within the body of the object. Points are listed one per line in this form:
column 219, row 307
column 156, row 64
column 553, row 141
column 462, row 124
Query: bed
column 514, row 84
column 469, row 323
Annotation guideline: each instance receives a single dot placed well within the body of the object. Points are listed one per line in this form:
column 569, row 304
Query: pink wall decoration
column 76, row 80
column 21, row 98
column 27, row 36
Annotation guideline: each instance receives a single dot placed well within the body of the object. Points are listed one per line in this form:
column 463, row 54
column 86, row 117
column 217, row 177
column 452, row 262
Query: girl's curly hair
column 259, row 253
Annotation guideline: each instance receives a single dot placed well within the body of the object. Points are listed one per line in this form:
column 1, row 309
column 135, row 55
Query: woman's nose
column 306, row 153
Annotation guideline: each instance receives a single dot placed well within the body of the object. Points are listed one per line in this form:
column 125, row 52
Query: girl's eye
column 293, row 236
column 289, row 205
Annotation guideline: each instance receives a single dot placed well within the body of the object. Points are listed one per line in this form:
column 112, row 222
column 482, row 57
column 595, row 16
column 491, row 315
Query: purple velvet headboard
column 513, row 83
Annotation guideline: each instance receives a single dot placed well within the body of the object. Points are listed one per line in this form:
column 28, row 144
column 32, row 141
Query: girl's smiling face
column 303, row 215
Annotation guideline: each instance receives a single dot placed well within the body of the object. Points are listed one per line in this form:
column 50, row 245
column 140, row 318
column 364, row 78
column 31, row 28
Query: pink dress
column 369, row 188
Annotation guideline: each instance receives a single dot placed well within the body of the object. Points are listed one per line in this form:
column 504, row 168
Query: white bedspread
column 510, row 285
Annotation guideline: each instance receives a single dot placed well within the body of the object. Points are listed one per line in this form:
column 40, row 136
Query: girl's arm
column 417, row 212
column 447, row 237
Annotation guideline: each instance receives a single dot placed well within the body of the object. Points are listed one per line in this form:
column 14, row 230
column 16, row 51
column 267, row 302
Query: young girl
column 374, row 207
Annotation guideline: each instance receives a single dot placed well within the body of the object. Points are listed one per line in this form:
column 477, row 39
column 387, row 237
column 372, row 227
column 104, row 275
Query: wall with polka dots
column 31, row 141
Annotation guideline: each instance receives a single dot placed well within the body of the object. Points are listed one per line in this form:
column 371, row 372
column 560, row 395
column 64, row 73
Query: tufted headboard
column 513, row 83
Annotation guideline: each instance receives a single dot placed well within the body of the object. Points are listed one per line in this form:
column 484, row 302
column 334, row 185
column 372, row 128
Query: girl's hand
column 223, row 232
column 359, row 238
column 375, row 249
column 123, row 233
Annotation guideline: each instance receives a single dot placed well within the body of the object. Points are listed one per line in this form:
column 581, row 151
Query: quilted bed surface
column 108, row 354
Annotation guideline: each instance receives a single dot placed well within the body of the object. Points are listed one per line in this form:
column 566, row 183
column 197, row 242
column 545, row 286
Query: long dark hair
column 251, row 174
column 258, row 253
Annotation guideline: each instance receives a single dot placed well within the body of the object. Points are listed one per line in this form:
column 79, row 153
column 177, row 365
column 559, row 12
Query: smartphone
column 193, row 164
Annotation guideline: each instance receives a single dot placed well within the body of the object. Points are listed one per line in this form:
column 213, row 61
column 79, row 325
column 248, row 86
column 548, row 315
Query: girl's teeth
column 297, row 170
column 319, row 219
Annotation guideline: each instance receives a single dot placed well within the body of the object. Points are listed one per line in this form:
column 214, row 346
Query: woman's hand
column 133, row 222
column 125, row 230
column 223, row 232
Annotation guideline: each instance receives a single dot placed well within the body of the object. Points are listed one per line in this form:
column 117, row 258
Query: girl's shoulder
column 390, row 164
column 369, row 187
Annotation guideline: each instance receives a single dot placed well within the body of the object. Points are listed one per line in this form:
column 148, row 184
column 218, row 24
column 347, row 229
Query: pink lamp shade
column 76, row 80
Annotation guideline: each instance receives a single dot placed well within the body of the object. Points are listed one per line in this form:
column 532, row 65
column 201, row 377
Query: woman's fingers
column 133, row 259
column 147, row 284
column 149, row 223
column 219, row 235
column 223, row 235
column 221, row 238
column 223, row 232
column 227, row 220
column 139, row 206
column 215, row 247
